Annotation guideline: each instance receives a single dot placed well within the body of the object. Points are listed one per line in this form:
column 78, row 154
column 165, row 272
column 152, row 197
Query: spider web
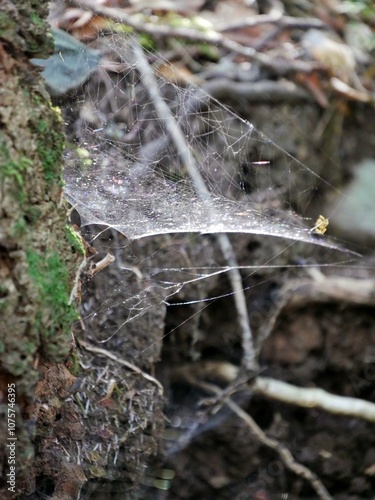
column 127, row 174
column 151, row 191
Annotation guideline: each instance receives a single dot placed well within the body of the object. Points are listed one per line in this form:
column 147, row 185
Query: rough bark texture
column 38, row 254
column 101, row 429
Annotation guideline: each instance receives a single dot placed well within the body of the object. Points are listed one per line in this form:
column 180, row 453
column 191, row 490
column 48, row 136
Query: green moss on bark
column 50, row 275
column 15, row 169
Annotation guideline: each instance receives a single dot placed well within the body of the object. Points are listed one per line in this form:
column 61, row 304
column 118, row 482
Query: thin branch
column 280, row 391
column 187, row 160
column 123, row 362
column 279, row 91
column 278, row 65
column 74, row 294
column 314, row 398
column 283, row 452
column 102, row 264
column 283, row 22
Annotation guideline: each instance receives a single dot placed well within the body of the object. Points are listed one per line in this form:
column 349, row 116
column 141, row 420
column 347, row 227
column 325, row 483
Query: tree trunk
column 38, row 254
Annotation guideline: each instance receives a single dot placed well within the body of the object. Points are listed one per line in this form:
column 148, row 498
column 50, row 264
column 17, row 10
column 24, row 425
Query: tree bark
column 38, row 253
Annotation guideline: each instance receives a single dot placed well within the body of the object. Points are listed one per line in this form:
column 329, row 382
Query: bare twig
column 265, row 90
column 284, row 453
column 202, row 192
column 281, row 391
column 122, row 362
column 76, row 284
column 314, row 398
column 283, row 22
column 278, row 65
column 102, row 264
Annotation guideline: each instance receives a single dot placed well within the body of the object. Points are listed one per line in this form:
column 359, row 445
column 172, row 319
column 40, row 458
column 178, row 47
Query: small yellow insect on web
column 321, row 225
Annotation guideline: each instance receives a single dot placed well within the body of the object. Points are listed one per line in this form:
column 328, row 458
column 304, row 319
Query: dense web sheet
column 135, row 180
column 126, row 172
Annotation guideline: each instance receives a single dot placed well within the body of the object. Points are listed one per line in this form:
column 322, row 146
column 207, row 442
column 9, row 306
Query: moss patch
column 50, row 276
column 75, row 240
column 15, row 169
column 50, row 146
